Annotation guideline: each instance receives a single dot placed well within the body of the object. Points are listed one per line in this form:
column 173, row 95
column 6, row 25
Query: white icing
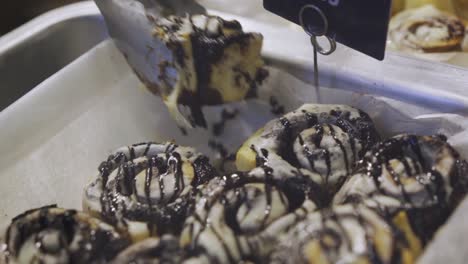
column 329, row 143
column 426, row 33
column 269, row 141
column 251, row 215
column 259, row 224
column 417, row 188
column 356, row 227
column 45, row 243
column 160, row 180
column 29, row 251
column 420, row 28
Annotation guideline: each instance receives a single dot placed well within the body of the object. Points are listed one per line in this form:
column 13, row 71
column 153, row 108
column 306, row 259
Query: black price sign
column 359, row 24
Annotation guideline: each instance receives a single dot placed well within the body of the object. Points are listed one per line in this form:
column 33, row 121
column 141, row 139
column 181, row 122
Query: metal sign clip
column 315, row 31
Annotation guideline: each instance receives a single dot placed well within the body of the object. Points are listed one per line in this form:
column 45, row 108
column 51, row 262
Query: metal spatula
column 131, row 23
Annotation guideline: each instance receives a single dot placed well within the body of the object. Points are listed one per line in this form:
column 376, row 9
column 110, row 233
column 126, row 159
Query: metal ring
column 320, row 12
column 320, row 49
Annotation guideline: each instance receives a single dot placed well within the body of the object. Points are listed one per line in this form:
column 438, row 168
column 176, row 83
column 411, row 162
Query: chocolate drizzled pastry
column 214, row 62
column 240, row 217
column 426, row 29
column 347, row 234
column 147, row 188
column 421, row 175
column 152, row 250
column 54, row 235
column 323, row 142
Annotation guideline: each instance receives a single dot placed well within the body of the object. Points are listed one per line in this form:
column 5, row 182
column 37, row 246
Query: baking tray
column 41, row 47
column 53, row 138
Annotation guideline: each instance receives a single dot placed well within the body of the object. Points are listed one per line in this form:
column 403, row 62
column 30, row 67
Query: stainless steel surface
column 40, row 48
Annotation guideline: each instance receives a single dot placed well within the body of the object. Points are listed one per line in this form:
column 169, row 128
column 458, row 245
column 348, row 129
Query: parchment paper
column 54, row 138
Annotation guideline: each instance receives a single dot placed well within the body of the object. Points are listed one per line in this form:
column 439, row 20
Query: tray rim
column 42, row 22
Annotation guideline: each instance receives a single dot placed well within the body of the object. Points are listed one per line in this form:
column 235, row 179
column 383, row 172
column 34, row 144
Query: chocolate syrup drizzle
column 361, row 129
column 226, row 158
column 95, row 245
column 332, row 227
column 276, row 108
column 208, row 49
column 174, row 213
column 422, row 169
column 169, row 213
column 288, row 129
column 234, row 194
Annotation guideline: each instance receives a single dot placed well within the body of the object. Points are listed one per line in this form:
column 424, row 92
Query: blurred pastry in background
column 397, row 6
column 443, row 5
column 461, row 9
column 426, row 30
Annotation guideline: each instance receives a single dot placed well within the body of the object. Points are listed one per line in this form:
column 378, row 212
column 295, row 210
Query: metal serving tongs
column 131, row 24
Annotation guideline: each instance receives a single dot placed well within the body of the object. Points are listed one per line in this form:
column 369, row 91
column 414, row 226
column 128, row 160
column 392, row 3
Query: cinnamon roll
column 151, row 250
column 323, row 141
column 239, row 217
column 54, row 235
column 147, row 188
column 426, row 30
column 347, row 234
column 214, row 62
column 421, row 175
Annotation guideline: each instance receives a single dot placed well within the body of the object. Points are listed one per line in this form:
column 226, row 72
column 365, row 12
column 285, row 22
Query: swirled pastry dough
column 55, row 235
column 423, row 175
column 147, row 188
column 214, row 62
column 346, row 234
column 240, row 217
column 426, row 29
column 323, row 142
